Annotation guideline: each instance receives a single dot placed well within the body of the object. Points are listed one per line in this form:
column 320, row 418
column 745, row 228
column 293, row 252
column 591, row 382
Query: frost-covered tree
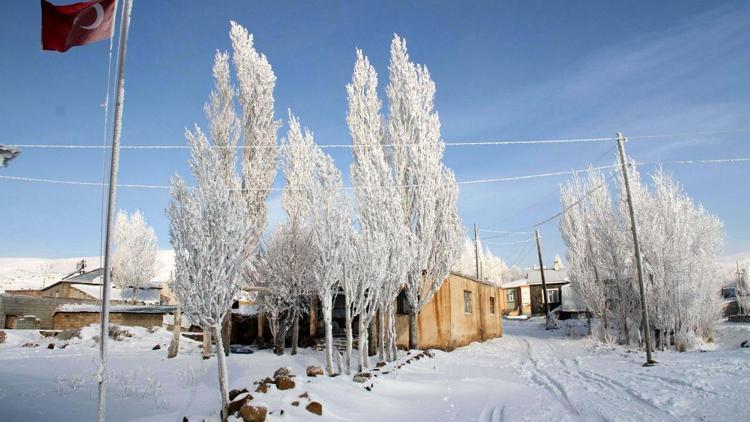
column 378, row 206
column 427, row 189
column 281, row 270
column 134, row 257
column 214, row 226
column 256, row 82
column 679, row 244
column 492, row 268
column 320, row 192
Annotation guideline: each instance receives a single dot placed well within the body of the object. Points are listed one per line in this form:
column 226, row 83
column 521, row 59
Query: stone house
column 524, row 296
column 18, row 306
column 77, row 316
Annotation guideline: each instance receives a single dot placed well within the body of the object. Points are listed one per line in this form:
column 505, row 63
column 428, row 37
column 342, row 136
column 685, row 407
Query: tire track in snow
column 544, row 380
column 609, row 389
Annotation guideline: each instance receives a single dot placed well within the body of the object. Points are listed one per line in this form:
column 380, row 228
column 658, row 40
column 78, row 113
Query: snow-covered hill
column 33, row 273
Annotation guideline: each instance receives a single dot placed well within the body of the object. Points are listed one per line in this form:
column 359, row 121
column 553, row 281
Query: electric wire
column 392, row 145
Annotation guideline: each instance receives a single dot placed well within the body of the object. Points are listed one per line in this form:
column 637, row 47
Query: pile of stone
column 241, row 404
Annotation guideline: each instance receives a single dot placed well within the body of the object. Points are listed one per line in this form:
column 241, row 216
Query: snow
column 133, row 309
column 529, row 374
column 245, row 309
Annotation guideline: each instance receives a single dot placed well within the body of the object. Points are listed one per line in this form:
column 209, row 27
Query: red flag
column 76, row 24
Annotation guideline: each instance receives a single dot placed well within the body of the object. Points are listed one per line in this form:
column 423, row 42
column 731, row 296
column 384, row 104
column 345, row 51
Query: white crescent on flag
column 99, row 16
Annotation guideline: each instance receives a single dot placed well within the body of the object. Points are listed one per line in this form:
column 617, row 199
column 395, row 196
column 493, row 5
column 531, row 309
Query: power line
column 391, row 145
column 464, row 182
column 507, row 243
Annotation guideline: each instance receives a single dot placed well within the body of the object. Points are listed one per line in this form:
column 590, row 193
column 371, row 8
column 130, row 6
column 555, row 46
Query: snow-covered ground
column 529, row 374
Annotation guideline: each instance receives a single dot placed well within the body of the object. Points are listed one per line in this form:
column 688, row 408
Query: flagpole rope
column 104, row 135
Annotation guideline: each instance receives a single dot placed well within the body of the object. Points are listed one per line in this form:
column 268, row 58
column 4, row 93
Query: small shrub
column 118, row 333
column 68, row 334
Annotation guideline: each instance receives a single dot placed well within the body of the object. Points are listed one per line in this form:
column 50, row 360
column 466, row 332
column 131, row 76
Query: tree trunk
column 174, row 345
column 223, row 376
column 226, row 332
column 372, row 337
column 326, row 308
column 392, row 334
column 295, row 334
column 362, row 345
column 381, row 334
column 413, row 335
column 206, row 343
column 349, row 339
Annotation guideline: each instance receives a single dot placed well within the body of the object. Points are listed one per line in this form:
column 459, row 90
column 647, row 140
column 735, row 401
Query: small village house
column 35, row 308
column 524, row 296
column 462, row 311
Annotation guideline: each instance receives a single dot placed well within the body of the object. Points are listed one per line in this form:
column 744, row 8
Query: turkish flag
column 76, row 24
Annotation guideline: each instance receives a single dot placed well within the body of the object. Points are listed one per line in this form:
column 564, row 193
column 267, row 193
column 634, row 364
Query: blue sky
column 504, row 70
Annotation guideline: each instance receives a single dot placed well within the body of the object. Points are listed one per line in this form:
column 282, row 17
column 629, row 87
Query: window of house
column 510, row 295
column 492, row 306
column 553, row 295
column 402, row 304
column 467, row 301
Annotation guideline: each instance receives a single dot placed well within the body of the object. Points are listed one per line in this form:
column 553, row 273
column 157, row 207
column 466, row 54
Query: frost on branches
column 679, row 244
column 134, row 257
column 491, row 268
column 378, row 207
column 427, row 189
column 215, row 225
column 281, row 270
column 320, row 191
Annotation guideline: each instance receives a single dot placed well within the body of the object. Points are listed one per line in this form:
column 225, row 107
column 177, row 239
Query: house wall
column 537, row 301
column 442, row 322
column 66, row 290
column 480, row 324
column 433, row 322
column 65, row 320
column 41, row 307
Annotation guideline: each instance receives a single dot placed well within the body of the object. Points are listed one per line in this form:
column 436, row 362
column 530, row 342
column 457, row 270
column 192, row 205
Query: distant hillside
column 28, row 273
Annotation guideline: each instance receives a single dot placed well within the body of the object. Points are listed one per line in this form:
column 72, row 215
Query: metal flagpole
column 119, row 100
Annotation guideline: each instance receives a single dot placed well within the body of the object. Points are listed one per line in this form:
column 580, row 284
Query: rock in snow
column 314, row 371
column 315, row 407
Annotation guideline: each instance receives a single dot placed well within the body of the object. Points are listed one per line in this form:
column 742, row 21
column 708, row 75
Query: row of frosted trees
column 679, row 244
column 402, row 231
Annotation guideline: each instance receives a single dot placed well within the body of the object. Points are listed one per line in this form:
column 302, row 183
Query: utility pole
column 476, row 249
column 541, row 271
column 116, row 133
column 637, row 247
column 739, row 290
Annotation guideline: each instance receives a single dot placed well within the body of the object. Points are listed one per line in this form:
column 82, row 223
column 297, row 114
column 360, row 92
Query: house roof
column 122, row 309
column 534, row 278
column 93, row 276
column 147, row 295
column 487, row 282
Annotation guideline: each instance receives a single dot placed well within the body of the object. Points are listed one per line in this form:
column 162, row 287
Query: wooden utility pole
column 541, row 271
column 637, row 247
column 476, row 249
